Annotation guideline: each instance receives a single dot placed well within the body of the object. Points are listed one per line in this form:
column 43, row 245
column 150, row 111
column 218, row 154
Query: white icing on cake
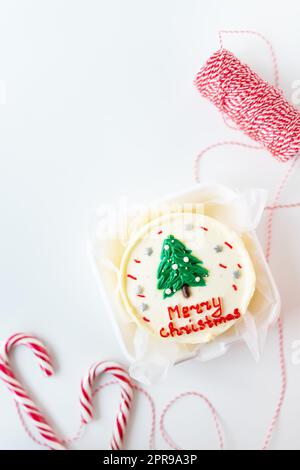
column 212, row 308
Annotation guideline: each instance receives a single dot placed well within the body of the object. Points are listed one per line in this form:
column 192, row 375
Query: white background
column 97, row 102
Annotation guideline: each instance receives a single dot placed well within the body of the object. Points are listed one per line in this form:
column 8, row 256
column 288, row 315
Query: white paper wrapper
column 149, row 358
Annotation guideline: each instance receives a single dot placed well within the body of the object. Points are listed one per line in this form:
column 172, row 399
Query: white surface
column 98, row 103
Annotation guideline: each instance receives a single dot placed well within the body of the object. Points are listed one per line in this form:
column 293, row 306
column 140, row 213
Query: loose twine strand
column 216, row 420
column 282, row 364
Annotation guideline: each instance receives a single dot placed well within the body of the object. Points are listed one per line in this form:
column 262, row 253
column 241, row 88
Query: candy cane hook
column 86, row 393
column 20, row 395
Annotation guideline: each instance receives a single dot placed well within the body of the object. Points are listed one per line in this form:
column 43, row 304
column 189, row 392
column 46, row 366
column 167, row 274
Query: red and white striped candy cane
column 20, row 395
column 87, row 384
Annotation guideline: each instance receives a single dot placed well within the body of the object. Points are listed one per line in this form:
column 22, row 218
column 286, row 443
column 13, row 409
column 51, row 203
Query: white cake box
column 111, row 231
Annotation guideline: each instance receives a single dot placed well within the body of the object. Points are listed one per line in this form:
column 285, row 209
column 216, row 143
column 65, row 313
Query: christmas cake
column 186, row 277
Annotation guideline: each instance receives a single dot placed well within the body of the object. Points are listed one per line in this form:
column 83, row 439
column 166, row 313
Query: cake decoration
column 237, row 274
column 149, row 251
column 139, row 290
column 144, row 307
column 192, row 283
column 179, row 269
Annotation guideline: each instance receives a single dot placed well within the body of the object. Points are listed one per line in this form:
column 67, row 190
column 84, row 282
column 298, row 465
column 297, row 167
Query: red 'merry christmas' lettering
column 200, row 325
column 214, row 304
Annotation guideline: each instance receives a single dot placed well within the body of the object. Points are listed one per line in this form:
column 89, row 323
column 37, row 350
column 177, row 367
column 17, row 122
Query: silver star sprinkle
column 237, row 274
column 218, row 248
column 139, row 290
column 144, row 307
column 189, row 227
column 149, row 251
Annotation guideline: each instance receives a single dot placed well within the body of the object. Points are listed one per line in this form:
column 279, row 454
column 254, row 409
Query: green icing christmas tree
column 179, row 269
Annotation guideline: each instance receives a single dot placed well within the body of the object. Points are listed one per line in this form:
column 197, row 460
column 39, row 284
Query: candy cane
column 20, row 395
column 86, row 394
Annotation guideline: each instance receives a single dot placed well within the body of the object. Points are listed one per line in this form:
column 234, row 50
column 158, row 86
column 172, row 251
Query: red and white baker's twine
column 218, row 425
column 20, row 395
column 282, row 363
column 257, row 108
column 86, row 395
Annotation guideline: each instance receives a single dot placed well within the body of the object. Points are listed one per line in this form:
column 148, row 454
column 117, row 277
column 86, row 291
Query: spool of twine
column 257, row 108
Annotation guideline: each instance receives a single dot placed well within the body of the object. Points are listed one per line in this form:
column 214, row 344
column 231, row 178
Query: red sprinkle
column 239, row 266
column 205, row 229
column 141, row 296
column 235, row 287
column 132, row 277
column 137, row 261
column 146, row 319
column 229, row 246
column 223, row 266
column 160, row 232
